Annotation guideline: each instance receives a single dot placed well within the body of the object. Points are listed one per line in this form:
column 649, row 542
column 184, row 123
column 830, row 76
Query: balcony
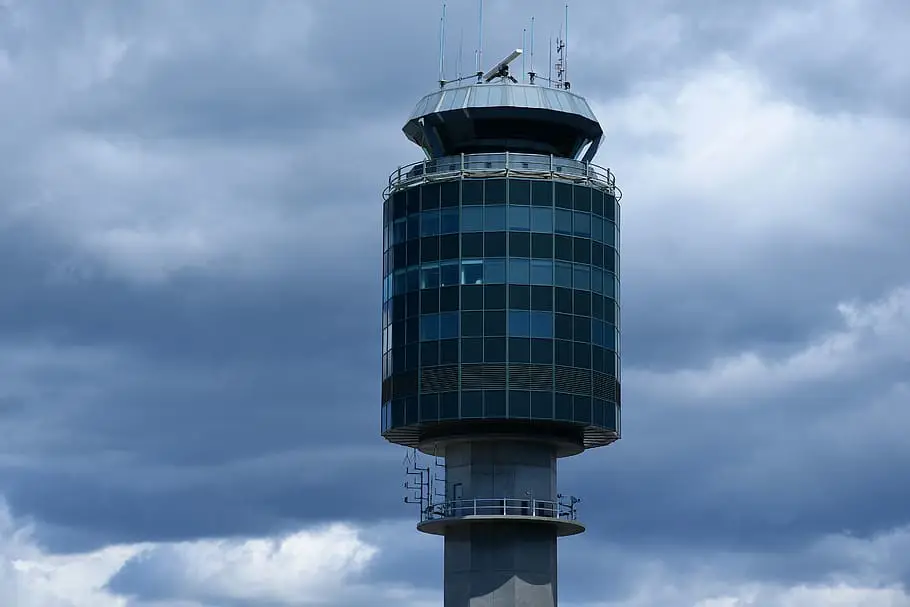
column 435, row 518
column 505, row 164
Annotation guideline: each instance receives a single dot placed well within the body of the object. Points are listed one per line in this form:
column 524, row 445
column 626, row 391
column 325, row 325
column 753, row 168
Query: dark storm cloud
column 212, row 402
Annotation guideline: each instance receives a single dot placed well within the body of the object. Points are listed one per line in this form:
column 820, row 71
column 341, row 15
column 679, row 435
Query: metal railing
column 504, row 164
column 499, row 507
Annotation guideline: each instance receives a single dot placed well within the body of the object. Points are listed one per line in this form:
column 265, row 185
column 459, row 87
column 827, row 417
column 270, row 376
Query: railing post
column 462, row 164
column 507, row 163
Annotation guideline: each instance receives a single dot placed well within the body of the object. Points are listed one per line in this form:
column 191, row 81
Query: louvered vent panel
column 439, row 379
column 605, row 387
column 530, row 377
column 483, row 377
column 573, row 381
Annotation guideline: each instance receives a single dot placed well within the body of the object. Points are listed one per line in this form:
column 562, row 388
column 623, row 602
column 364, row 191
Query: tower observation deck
column 500, row 324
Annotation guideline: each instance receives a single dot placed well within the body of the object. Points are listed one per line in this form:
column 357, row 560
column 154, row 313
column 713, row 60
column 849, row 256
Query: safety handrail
column 503, row 164
column 499, row 507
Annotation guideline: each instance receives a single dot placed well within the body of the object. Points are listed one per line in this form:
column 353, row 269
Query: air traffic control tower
column 500, row 321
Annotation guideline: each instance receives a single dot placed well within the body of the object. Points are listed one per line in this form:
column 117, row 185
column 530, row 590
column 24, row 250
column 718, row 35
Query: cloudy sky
column 190, row 253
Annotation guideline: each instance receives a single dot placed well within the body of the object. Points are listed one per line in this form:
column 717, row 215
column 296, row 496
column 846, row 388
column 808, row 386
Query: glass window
column 448, row 221
column 429, row 199
column 494, row 323
column 563, row 222
column 448, row 325
column 472, row 244
column 520, row 218
column 541, row 351
column 519, row 271
column 563, row 274
column 399, row 231
column 542, row 298
column 563, row 326
column 429, row 301
column 494, row 349
column 597, row 281
column 472, row 191
column 448, row 247
column 582, row 198
column 582, row 224
column 597, row 333
column 472, row 272
column 582, row 277
column 541, row 272
column 610, row 233
column 542, row 246
column 542, row 219
column 429, row 327
column 541, row 324
column 494, row 218
column 472, row 326
column 519, row 350
column 519, row 297
column 450, row 193
column 472, row 298
column 519, row 323
column 542, row 193
column 472, row 404
column 495, row 192
column 519, row 244
column 494, row 296
column 429, row 276
column 413, row 278
column 541, row 405
column 413, row 226
column 582, row 328
column 448, row 273
column 472, row 350
column 494, row 403
column 472, row 219
column 609, row 285
column 611, row 337
column 597, row 228
column 563, row 247
column 563, row 195
column 494, row 271
column 494, row 244
column 519, row 191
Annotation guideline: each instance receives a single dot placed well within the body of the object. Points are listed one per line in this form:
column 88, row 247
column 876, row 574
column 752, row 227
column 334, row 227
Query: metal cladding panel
column 501, row 302
column 503, row 95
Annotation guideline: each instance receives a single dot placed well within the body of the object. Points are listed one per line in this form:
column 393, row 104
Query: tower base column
column 502, row 564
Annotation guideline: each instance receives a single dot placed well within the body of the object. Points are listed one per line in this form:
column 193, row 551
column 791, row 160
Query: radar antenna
column 501, row 70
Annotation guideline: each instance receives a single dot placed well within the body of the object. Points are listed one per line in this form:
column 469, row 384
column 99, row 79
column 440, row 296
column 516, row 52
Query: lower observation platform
column 437, row 518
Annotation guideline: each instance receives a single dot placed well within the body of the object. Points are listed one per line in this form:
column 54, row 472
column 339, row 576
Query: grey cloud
column 238, row 394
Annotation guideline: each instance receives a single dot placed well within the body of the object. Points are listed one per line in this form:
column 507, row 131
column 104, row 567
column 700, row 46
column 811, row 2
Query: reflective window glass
column 519, row 271
column 448, row 273
column 563, row 221
column 413, row 278
column 609, row 285
column 563, row 274
column 494, row 323
column 494, row 218
column 472, row 219
column 495, row 191
column 429, row 276
column 520, row 218
column 519, row 323
column 399, row 231
column 582, row 225
column 472, row 272
column 609, row 233
column 597, row 281
column 582, row 277
column 541, row 324
column 494, row 271
column 448, row 325
column 413, row 222
column 448, row 221
column 429, row 327
column 519, row 191
column 542, row 219
column 597, row 228
column 541, row 272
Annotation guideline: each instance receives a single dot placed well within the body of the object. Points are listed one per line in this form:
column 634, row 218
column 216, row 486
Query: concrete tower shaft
column 501, row 325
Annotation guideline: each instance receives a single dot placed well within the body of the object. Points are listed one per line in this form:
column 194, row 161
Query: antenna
column 524, row 40
column 479, row 69
column 442, row 47
column 501, row 70
column 460, row 55
column 531, row 73
column 565, row 53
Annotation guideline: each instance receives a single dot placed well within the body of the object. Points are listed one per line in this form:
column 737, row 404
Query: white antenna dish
column 502, row 68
